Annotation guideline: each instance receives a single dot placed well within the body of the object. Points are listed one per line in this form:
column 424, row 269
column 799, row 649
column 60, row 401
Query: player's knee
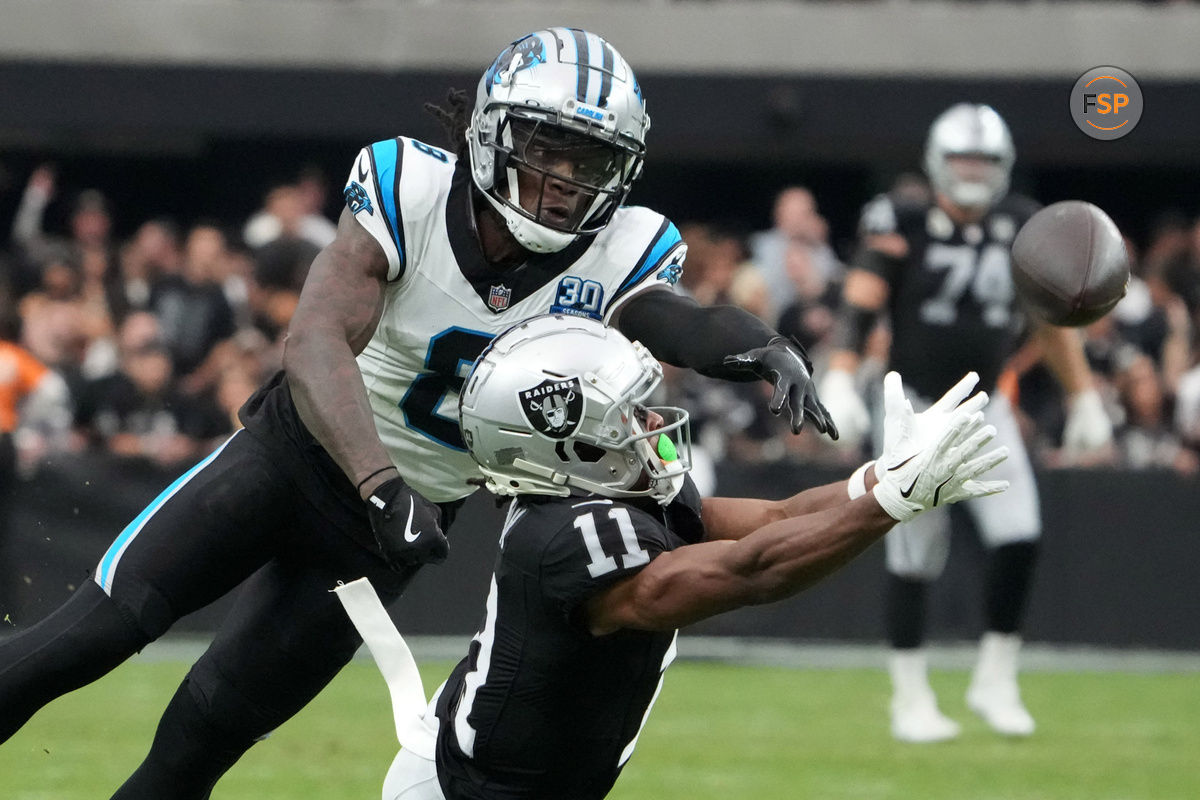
column 144, row 606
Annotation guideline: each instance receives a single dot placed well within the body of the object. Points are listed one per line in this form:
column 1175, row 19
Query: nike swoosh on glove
column 788, row 368
column 933, row 459
column 407, row 527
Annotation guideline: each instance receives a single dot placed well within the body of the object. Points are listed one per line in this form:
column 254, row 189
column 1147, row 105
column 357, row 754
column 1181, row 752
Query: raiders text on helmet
column 968, row 129
column 562, row 107
column 555, row 404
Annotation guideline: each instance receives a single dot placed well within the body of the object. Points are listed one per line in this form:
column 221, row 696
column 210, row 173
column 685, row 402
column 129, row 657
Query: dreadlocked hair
column 455, row 117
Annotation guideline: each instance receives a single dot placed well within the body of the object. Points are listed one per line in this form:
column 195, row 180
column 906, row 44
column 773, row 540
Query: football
column 1070, row 264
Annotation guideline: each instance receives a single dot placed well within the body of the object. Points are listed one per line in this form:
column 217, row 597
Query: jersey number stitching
column 602, row 563
column 448, row 360
column 986, row 274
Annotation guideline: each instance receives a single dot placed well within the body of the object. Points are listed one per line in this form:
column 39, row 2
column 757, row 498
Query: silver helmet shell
column 970, row 129
column 555, row 404
column 572, row 85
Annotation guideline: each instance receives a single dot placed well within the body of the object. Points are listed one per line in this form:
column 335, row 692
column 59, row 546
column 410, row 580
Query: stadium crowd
column 160, row 336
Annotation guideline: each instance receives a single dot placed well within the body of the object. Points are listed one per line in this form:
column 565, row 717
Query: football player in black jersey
column 940, row 270
column 607, row 549
column 348, row 464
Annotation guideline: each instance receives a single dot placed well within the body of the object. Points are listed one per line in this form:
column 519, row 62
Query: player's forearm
column 683, row 333
column 1062, row 352
column 737, row 517
column 786, row 557
column 331, row 399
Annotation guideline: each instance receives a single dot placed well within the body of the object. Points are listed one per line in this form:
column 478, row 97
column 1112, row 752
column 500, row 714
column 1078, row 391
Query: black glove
column 788, row 368
column 406, row 526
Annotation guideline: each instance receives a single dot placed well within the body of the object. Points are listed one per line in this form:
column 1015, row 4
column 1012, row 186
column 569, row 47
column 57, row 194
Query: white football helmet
column 969, row 129
column 563, row 108
column 555, row 404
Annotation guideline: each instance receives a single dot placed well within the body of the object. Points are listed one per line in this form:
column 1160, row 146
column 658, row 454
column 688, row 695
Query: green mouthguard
column 666, row 448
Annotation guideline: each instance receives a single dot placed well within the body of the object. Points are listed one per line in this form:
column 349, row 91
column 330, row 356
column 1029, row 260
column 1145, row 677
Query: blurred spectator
column 796, row 222
column 191, row 305
column 1146, row 440
column 34, row 408
column 293, row 210
column 809, row 317
column 714, row 259
column 57, row 324
column 138, row 412
column 89, row 229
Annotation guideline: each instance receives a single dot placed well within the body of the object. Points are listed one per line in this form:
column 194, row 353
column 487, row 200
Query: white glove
column 932, row 459
column 848, row 410
column 1088, row 426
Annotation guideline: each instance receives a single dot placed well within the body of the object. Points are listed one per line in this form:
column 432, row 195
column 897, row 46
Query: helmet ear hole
column 588, row 453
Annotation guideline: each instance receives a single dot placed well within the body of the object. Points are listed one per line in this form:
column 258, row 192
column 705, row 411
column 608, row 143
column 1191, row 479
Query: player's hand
column 1088, row 427
column 406, row 526
column 788, row 368
column 933, row 458
column 848, row 409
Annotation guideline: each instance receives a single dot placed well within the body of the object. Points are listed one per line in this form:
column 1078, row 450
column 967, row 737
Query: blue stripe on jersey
column 663, row 243
column 387, row 158
column 108, row 564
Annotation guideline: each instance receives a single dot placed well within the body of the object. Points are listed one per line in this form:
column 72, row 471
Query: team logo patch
column 528, row 52
column 357, row 199
column 553, row 408
column 499, row 297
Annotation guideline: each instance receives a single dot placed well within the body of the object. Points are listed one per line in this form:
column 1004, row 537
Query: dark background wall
column 1119, row 562
column 207, row 142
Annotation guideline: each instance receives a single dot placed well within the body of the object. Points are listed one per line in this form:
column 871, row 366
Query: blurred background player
column 941, row 271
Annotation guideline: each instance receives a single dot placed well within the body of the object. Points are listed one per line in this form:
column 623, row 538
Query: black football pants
column 235, row 516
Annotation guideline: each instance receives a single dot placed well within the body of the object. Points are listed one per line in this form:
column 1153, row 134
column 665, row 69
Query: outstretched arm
column 928, row 460
column 338, row 311
column 729, row 343
column 773, row 562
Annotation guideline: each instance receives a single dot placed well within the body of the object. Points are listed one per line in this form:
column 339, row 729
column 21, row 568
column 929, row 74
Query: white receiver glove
column 933, row 458
column 849, row 412
column 1088, row 426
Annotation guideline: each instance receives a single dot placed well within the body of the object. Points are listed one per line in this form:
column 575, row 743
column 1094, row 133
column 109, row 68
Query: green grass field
column 718, row 731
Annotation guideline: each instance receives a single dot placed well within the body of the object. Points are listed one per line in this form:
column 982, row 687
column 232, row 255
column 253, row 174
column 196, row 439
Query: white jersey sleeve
column 374, row 188
column 652, row 244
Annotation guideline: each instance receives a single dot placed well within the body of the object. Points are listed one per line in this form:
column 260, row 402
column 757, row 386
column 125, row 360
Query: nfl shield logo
column 498, row 298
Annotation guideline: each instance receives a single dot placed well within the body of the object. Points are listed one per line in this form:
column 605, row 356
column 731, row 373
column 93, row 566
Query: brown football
column 1069, row 263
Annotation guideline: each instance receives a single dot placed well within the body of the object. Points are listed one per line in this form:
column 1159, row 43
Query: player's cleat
column 915, row 714
column 993, row 693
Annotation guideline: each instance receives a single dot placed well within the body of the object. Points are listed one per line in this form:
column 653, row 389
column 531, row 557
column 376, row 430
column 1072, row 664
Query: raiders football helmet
column 554, row 404
column 562, row 107
column 969, row 129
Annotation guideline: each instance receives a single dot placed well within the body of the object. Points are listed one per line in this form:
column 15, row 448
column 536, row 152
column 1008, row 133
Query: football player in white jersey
column 604, row 554
column 941, row 270
column 351, row 462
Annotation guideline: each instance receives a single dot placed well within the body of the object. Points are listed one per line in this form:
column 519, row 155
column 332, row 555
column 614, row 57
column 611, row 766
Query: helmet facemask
column 557, row 136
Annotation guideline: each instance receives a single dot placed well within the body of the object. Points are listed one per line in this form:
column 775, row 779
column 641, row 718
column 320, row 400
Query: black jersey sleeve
column 885, row 214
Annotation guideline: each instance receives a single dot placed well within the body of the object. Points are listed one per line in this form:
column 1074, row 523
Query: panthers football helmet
column 563, row 108
column 555, row 404
column 969, row 129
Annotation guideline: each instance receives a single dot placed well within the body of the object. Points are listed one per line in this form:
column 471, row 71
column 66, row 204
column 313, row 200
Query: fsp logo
column 1106, row 103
